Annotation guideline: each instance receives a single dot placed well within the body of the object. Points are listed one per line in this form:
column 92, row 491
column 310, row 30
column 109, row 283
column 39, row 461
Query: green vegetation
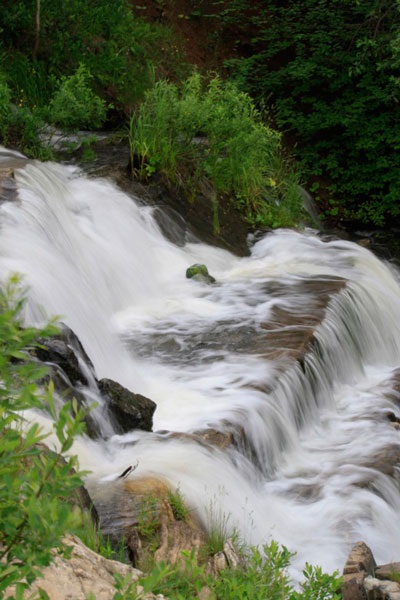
column 84, row 65
column 178, row 506
column 33, row 479
column 262, row 576
column 36, row 483
column 73, row 64
column 74, row 105
column 328, row 69
column 211, row 132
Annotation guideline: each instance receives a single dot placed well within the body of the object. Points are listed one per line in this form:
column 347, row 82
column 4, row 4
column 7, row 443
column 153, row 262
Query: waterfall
column 314, row 415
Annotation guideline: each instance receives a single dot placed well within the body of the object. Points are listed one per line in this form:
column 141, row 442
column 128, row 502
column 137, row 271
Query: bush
column 329, row 71
column 32, row 479
column 115, row 46
column 75, row 105
column 263, row 576
column 214, row 131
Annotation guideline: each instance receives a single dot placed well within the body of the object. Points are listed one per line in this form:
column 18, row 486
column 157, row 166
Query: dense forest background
column 323, row 73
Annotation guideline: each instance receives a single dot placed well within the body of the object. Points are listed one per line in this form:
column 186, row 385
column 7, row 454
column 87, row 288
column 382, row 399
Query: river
column 315, row 473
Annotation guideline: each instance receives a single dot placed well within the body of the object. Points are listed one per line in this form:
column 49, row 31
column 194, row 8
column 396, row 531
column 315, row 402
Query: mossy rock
column 199, row 273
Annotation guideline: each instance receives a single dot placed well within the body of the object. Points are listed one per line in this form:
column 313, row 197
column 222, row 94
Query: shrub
column 75, row 105
column 264, row 576
column 32, row 480
column 115, row 46
column 214, row 131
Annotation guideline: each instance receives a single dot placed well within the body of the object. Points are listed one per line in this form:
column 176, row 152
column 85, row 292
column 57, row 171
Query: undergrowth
column 211, row 131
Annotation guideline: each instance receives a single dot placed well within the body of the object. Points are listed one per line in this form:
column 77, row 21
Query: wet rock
column 199, row 273
column 8, row 187
column 129, row 411
column 63, row 350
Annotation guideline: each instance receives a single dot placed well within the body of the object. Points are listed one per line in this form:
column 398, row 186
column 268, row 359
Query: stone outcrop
column 141, row 512
column 71, row 369
column 363, row 580
column 80, row 575
column 128, row 410
column 227, row 558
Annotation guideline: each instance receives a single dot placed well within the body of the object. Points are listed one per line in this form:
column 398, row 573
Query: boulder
column 128, row 410
column 376, row 589
column 199, row 273
column 143, row 512
column 359, row 565
column 84, row 574
column 64, row 351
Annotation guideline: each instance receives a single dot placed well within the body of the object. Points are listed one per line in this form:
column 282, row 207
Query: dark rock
column 63, row 351
column 129, row 410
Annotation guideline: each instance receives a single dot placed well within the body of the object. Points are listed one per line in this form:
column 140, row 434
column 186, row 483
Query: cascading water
column 314, row 418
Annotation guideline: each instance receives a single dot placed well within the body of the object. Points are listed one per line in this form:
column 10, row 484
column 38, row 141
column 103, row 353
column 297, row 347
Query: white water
column 93, row 256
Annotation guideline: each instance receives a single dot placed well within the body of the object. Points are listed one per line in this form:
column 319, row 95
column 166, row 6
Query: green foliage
column 264, row 575
column 214, row 132
column 75, row 105
column 149, row 517
column 329, row 71
column 219, row 529
column 178, row 506
column 33, row 480
column 5, row 109
column 178, row 582
column 117, row 48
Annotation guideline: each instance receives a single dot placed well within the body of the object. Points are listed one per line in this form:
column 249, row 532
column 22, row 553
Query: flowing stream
column 318, row 471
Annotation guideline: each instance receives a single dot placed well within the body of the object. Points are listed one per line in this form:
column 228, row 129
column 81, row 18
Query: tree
column 328, row 71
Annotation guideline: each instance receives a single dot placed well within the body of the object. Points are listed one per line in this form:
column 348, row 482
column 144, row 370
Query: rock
column 227, row 558
column 376, row 589
column 353, row 587
column 84, row 573
column 359, row 565
column 64, row 351
column 139, row 510
column 173, row 535
column 360, row 560
column 129, row 410
column 199, row 273
column 389, row 571
column 8, row 187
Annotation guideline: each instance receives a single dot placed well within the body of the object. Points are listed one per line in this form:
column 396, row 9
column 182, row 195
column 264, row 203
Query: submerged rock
column 199, row 273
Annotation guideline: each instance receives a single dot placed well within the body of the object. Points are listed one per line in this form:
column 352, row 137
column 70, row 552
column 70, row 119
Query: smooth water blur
column 317, row 429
